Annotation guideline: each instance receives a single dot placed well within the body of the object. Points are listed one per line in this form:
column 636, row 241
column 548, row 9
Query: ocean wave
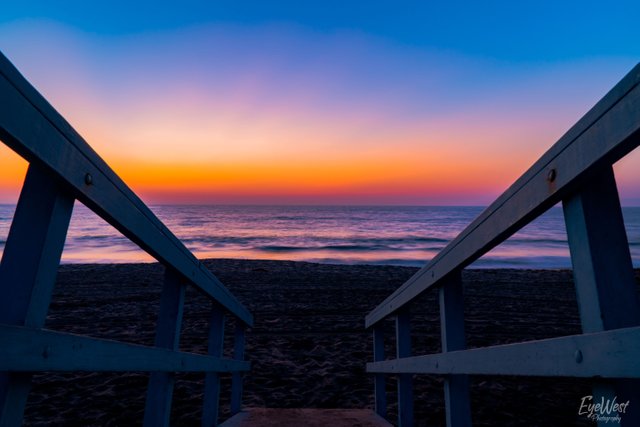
column 522, row 262
column 281, row 248
column 535, row 240
column 270, row 242
column 345, row 248
column 83, row 237
column 403, row 262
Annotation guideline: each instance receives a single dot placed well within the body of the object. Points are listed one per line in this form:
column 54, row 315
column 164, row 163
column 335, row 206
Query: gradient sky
column 331, row 102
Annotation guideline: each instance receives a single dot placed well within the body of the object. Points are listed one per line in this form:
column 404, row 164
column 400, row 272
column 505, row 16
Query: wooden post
column 379, row 379
column 456, row 387
column 28, row 271
column 405, row 383
column 603, row 273
column 236, row 379
column 212, row 380
column 160, row 390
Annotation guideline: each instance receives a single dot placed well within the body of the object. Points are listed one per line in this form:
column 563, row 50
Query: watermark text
column 603, row 410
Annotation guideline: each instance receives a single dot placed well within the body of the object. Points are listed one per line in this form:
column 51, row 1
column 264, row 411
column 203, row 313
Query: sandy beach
column 308, row 347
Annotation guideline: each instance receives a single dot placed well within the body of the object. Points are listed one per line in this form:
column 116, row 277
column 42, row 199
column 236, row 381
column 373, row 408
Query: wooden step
column 308, row 417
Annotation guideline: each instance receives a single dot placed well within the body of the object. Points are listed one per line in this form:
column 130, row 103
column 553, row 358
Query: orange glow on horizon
column 13, row 169
column 378, row 178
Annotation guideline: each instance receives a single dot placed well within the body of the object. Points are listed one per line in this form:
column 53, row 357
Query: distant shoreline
column 353, row 235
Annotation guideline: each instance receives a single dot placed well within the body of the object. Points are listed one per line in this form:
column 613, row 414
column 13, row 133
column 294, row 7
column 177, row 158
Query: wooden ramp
column 308, row 417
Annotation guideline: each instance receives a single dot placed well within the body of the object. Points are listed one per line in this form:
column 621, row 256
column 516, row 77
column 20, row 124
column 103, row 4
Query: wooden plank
column 379, row 379
column 16, row 388
column 456, row 387
column 405, row 381
column 236, row 378
column 160, row 389
column 602, row 268
column 42, row 350
column 451, row 301
column 210, row 410
column 32, row 128
column 604, row 135
column 28, row 272
column 305, row 417
column 609, row 354
column 171, row 310
column 603, row 272
column 33, row 249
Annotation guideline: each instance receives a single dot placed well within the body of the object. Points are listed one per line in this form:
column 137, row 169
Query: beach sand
column 309, row 346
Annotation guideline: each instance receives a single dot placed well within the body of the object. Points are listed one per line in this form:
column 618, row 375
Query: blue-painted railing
column 577, row 171
column 63, row 168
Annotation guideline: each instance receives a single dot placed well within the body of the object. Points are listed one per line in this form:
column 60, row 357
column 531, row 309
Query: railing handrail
column 27, row 119
column 578, row 153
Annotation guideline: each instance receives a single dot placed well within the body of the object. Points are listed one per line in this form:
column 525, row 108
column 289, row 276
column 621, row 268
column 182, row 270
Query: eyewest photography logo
column 603, row 410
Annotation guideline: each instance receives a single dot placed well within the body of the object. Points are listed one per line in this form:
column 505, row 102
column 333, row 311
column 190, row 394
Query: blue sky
column 504, row 30
column 336, row 102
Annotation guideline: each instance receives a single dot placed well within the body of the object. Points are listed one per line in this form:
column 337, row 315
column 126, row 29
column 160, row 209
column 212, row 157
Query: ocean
column 396, row 235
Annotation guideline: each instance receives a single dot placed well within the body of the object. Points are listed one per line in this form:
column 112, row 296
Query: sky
column 321, row 102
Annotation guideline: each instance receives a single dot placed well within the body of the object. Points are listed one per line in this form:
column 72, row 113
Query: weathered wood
column 32, row 128
column 605, row 134
column 609, row 354
column 602, row 268
column 456, row 387
column 212, row 380
column 379, row 379
column 306, row 417
column 33, row 249
column 236, row 378
column 15, row 389
column 603, row 271
column 43, row 350
column 451, row 301
column 63, row 167
column 28, row 271
column 405, row 381
column 160, row 389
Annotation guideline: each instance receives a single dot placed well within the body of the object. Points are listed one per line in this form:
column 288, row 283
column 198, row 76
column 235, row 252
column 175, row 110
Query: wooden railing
column 62, row 168
column 576, row 171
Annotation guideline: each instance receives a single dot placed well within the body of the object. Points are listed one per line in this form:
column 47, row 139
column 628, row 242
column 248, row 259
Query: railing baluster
column 62, row 168
column 577, row 171
column 160, row 390
column 236, row 379
column 603, row 272
column 405, row 381
column 28, row 271
column 456, row 387
column 379, row 379
column 212, row 381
